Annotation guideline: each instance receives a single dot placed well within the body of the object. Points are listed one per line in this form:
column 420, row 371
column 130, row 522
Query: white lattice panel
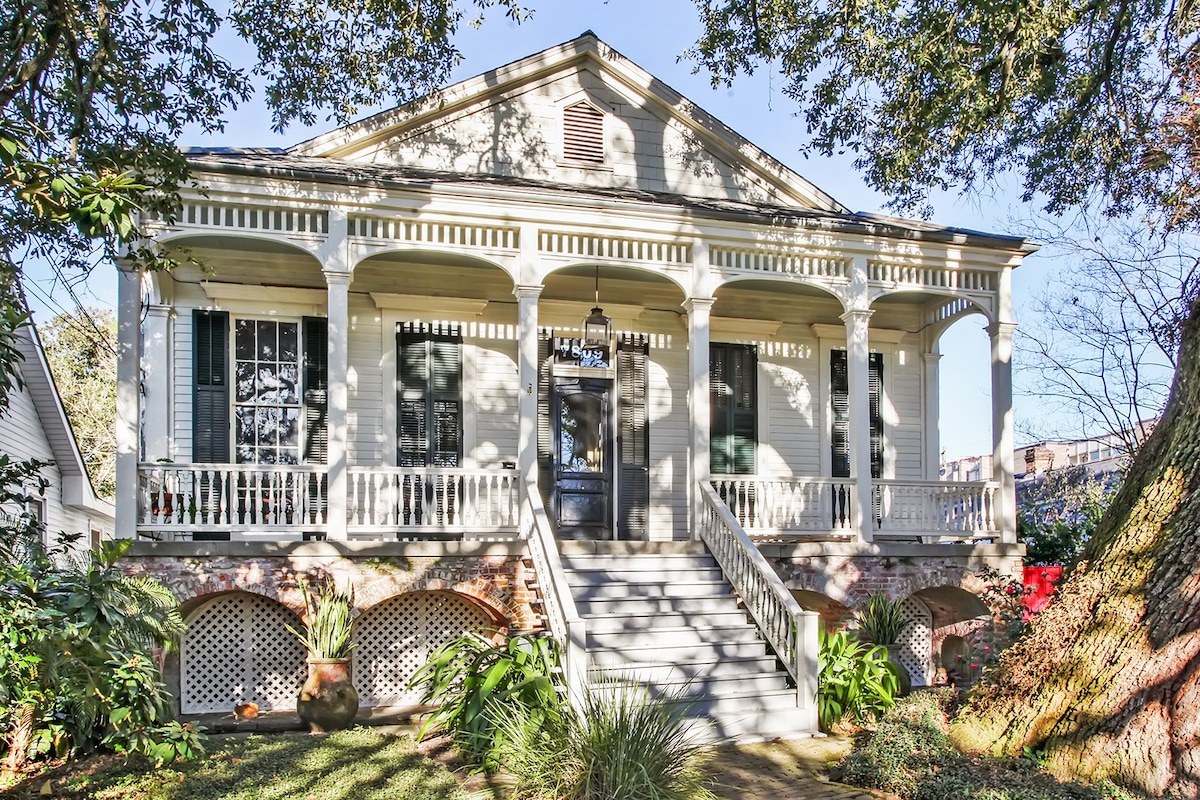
column 394, row 639
column 916, row 642
column 238, row 649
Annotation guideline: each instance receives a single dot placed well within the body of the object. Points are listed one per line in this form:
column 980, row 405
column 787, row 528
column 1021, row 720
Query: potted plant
column 328, row 700
column 881, row 620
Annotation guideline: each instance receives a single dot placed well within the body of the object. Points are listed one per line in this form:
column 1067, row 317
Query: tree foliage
column 1086, row 100
column 81, row 350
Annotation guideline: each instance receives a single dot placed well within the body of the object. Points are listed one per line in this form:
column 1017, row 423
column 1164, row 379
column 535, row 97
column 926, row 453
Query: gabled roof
column 35, row 369
column 586, row 51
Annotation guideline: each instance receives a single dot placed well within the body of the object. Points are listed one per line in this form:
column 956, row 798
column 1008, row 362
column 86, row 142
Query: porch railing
column 213, row 500
column 764, row 506
column 427, row 501
column 562, row 617
column 958, row 510
column 790, row 630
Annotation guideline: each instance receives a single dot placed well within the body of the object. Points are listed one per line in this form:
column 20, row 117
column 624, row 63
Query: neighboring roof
column 290, row 165
column 585, row 48
column 39, row 381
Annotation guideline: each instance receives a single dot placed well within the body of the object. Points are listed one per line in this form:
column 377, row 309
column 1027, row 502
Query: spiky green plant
column 881, row 619
column 621, row 745
column 855, row 680
column 328, row 622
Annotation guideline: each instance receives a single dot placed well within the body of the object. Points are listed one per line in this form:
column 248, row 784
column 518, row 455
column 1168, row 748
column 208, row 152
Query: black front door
column 581, row 412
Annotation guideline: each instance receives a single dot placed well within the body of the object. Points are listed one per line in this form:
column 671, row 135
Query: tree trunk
column 20, row 737
column 1107, row 680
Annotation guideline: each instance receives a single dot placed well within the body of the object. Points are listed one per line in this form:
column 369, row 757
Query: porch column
column 156, row 367
column 933, row 445
column 128, row 429
column 1002, row 429
column 858, row 388
column 699, row 416
column 527, row 380
column 338, row 282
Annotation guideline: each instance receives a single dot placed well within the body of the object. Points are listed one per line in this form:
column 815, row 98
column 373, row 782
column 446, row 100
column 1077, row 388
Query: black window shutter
column 316, row 390
column 633, row 440
column 876, row 401
column 545, row 446
column 210, row 392
column 839, row 389
column 839, row 400
column 733, row 408
column 429, row 396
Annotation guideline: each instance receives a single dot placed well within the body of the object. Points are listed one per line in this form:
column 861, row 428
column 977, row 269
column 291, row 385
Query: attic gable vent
column 583, row 134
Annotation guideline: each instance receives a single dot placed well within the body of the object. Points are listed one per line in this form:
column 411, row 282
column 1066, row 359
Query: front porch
column 281, row 503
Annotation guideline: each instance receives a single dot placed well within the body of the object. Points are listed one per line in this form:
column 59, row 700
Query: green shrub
column 855, row 680
column 911, row 756
column 621, row 745
column 327, row 622
column 477, row 684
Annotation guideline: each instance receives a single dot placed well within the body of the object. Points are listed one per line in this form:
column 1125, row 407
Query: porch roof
column 270, row 162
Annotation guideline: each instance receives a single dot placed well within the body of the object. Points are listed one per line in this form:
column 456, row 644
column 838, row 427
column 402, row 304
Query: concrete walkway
column 782, row 770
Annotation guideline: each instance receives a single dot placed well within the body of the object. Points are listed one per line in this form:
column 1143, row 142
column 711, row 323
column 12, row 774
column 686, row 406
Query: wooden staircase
column 661, row 614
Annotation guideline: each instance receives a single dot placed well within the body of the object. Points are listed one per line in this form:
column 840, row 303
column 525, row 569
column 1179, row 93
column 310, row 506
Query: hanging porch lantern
column 597, row 329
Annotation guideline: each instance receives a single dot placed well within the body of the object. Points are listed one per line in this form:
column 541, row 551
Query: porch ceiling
column 777, row 300
column 433, row 274
column 228, row 259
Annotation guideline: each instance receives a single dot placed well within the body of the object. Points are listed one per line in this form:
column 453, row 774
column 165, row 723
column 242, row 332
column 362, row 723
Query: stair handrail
column 561, row 614
column 787, row 627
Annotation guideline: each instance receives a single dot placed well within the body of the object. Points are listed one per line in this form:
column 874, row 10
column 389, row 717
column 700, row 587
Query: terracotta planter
column 328, row 701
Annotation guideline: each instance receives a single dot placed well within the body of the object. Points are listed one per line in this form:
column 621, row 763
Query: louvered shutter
column 876, row 401
column 633, row 440
column 316, row 390
column 583, row 133
column 545, row 443
column 839, row 401
column 429, row 396
column 743, row 410
column 718, row 406
column 733, row 401
column 210, row 392
column 839, row 389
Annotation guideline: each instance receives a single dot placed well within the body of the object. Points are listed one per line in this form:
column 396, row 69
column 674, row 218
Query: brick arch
column 498, row 604
column 192, row 593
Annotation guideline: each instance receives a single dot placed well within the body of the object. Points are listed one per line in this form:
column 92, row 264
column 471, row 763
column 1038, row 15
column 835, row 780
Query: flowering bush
column 1004, row 595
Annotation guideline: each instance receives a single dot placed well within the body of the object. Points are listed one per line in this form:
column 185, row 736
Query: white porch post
column 527, row 376
column 859, row 381
column 1001, row 334
column 128, row 428
column 339, row 364
column 156, row 366
column 699, row 312
column 933, row 444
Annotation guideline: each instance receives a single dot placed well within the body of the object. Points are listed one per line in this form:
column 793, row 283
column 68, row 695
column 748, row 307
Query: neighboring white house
column 35, row 426
column 390, row 346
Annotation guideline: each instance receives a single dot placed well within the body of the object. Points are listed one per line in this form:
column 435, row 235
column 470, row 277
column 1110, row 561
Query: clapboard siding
column 366, row 385
column 493, row 397
column 667, row 407
column 790, row 436
column 905, row 433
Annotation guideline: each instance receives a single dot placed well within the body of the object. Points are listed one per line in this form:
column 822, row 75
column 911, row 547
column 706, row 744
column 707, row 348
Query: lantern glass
column 597, row 331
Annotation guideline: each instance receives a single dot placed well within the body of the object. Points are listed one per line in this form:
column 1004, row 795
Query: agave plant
column 327, row 623
column 881, row 619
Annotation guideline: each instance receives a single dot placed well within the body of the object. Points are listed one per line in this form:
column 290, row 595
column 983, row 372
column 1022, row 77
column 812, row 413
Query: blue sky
column 654, row 34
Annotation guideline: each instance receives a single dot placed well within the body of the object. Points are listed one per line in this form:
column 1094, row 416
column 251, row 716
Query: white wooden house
column 384, row 356
column 35, row 426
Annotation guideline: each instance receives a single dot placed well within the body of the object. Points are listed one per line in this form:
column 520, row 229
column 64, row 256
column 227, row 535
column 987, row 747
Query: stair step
column 617, row 606
column 652, row 619
column 670, row 637
column 650, row 589
column 655, row 653
column 638, row 564
column 661, row 672
column 700, row 690
column 573, row 548
column 592, row 577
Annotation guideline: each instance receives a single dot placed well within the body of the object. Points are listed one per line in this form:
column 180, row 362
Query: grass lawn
column 360, row 764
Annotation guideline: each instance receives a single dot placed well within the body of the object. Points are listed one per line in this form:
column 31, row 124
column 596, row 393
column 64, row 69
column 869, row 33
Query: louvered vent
column 583, row 134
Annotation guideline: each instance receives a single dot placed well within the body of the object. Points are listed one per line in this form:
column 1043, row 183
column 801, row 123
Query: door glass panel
column 580, row 426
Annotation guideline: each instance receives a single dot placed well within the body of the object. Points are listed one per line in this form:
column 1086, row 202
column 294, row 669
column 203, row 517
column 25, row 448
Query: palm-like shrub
column 477, row 684
column 327, row 623
column 855, row 679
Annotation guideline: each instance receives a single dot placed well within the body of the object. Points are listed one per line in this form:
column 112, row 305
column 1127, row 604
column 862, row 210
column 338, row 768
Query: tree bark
column 20, row 737
column 1107, row 680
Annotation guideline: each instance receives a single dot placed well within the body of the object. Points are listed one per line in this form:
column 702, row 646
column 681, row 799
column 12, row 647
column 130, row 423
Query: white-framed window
column 267, row 391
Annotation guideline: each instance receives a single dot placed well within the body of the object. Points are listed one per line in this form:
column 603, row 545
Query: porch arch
column 394, row 638
column 238, row 649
